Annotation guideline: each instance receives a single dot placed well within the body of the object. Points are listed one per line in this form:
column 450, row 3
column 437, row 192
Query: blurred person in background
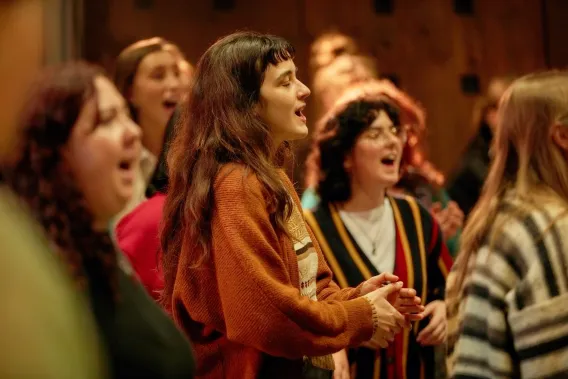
column 151, row 75
column 137, row 233
column 466, row 183
column 75, row 170
column 46, row 329
column 328, row 46
column 332, row 80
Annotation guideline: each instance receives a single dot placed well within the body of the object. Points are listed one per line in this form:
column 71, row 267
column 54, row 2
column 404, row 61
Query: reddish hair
column 220, row 126
column 41, row 179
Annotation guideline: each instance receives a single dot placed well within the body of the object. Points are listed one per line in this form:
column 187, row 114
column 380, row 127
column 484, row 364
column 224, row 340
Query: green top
column 443, row 198
column 46, row 329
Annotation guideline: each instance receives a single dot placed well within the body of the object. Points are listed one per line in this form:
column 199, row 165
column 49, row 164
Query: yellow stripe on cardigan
column 349, row 244
column 423, row 260
column 443, row 268
column 410, row 274
column 327, row 252
column 377, row 367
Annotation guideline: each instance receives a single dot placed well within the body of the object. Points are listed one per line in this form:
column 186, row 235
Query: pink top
column 137, row 235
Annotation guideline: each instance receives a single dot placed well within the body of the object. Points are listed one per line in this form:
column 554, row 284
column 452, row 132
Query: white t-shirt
column 375, row 233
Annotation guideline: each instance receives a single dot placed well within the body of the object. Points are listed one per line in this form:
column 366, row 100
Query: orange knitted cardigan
column 262, row 303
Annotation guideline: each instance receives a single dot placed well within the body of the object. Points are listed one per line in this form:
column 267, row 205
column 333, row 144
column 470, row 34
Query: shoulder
column 236, row 182
column 408, row 203
column 522, row 240
column 518, row 228
column 144, row 218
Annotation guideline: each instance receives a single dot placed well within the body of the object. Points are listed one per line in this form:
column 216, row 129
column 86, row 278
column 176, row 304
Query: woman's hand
column 390, row 321
column 341, row 365
column 405, row 301
column 435, row 332
column 409, row 304
column 450, row 218
column 377, row 282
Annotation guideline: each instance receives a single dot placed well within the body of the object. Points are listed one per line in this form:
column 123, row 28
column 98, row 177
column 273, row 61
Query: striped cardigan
column 511, row 321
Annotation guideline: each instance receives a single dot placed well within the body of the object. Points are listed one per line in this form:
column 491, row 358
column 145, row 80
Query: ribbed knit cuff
column 360, row 322
column 375, row 316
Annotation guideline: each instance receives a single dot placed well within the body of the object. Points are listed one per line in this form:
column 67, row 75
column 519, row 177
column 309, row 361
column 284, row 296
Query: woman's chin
column 301, row 132
column 388, row 180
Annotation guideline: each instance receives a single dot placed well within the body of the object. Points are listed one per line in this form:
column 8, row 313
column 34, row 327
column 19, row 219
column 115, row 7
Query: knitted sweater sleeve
column 262, row 307
column 514, row 318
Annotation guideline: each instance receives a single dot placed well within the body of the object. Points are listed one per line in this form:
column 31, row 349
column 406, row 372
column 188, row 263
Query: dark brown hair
column 220, row 126
column 41, row 179
column 337, row 140
column 368, row 96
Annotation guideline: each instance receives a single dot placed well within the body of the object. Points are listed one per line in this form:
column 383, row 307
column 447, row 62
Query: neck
column 362, row 199
column 152, row 136
column 275, row 148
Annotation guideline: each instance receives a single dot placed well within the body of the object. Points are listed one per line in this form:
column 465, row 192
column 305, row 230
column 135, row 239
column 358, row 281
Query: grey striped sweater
column 511, row 320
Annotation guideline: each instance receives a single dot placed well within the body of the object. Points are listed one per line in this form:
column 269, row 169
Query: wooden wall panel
column 425, row 43
column 556, row 48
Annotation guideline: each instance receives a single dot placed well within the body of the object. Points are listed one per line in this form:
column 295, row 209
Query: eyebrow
column 286, row 73
column 391, row 124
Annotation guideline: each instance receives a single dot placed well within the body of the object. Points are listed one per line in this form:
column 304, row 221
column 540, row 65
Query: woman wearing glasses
column 356, row 158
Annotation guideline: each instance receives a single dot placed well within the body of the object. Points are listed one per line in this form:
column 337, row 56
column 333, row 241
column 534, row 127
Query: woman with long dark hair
column 75, row 171
column 242, row 275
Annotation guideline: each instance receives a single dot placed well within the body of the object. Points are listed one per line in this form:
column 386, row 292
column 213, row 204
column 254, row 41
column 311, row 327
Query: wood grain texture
column 424, row 43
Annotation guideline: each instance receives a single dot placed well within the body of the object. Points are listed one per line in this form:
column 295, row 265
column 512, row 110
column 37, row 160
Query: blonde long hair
column 525, row 159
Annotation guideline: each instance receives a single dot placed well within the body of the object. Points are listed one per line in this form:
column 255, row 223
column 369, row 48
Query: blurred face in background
column 21, row 55
column 495, row 91
column 156, row 89
column 104, row 155
column 331, row 81
column 330, row 46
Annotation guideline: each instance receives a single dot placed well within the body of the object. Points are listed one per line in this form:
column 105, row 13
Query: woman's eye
column 158, row 76
column 374, row 135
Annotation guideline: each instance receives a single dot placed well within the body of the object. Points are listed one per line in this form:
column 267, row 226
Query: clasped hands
column 396, row 307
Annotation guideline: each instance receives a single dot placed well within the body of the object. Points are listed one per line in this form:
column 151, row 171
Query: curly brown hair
column 379, row 94
column 40, row 177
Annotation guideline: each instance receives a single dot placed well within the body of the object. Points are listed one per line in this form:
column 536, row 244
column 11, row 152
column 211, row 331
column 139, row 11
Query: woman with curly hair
column 419, row 178
column 363, row 231
column 75, row 171
column 46, row 330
